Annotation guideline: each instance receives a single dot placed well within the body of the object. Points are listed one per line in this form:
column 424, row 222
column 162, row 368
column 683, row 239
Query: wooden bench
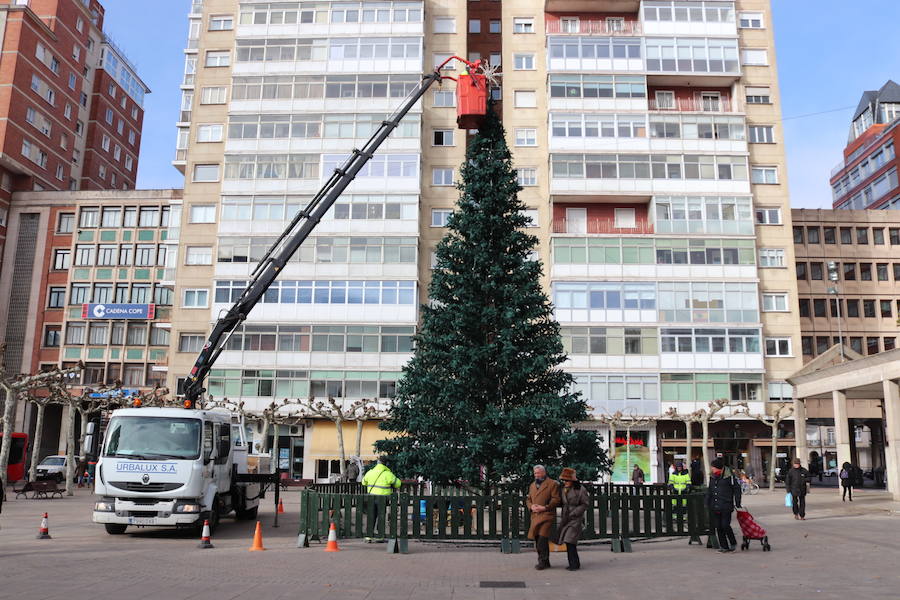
column 286, row 483
column 22, row 488
column 45, row 489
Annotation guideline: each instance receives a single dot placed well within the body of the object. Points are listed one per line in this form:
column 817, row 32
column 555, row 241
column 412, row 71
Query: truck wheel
column 115, row 528
column 248, row 514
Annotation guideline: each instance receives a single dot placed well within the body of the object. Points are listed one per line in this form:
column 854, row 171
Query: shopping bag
column 788, row 501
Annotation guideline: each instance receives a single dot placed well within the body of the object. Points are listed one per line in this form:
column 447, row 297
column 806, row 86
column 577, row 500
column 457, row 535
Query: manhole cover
column 502, row 584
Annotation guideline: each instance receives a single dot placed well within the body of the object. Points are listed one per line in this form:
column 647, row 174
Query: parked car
column 52, row 467
column 832, row 472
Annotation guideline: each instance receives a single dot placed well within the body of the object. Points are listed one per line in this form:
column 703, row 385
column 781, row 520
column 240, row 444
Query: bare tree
column 53, row 395
column 688, row 420
column 627, row 421
column 783, row 410
column 708, row 415
column 88, row 399
column 13, row 387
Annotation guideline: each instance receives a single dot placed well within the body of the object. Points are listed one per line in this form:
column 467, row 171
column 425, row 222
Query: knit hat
column 568, row 474
column 717, row 464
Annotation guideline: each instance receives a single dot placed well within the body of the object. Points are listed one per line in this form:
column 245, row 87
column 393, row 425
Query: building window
column 62, row 258
column 775, row 302
column 862, row 235
column 812, row 235
column 52, row 336
column 196, row 298
column 523, row 62
column 221, row 23
column 474, row 25
column 801, row 271
column 105, row 142
column 526, row 137
column 441, row 176
column 66, row 223
column 494, row 27
column 625, row 218
column 198, row 255
column 212, row 95
column 828, row 235
column 881, row 269
column 878, row 236
column 444, row 99
column 852, row 308
column 754, row 57
column 75, row 333
column 73, row 81
column 526, row 176
column 218, row 58
column 206, row 173
column 525, row 99
column 442, row 137
column 750, row 20
column 804, row 307
column 815, row 271
column 444, row 25
column 849, row 271
column 764, row 175
column 768, row 216
column 89, row 217
column 771, row 257
column 778, row 346
column 439, row 216
column 532, row 215
column 869, row 309
column 203, row 213
column 190, row 342
column 523, row 25
column 865, row 271
column 846, row 235
column 762, row 134
column 56, row 297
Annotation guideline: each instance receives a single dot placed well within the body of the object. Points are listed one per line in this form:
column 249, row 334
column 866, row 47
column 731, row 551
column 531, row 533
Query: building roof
column 889, row 92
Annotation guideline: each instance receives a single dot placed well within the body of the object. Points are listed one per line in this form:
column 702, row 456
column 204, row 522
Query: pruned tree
column 688, row 420
column 626, row 421
column 336, row 412
column 783, row 411
column 708, row 415
column 84, row 403
column 13, row 388
column 40, row 399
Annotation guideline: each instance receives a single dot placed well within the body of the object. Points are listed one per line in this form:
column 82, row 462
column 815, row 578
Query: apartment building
column 648, row 143
column 857, row 302
column 866, row 177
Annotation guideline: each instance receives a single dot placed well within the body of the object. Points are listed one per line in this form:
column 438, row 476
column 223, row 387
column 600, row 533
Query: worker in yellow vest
column 379, row 481
column 679, row 481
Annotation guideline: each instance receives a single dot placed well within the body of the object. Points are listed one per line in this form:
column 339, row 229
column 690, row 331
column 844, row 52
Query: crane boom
column 289, row 241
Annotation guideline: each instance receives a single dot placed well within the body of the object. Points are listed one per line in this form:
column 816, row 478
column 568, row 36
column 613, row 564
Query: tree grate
column 502, row 584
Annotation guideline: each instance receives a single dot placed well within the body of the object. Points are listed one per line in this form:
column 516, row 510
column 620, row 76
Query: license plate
column 142, row 520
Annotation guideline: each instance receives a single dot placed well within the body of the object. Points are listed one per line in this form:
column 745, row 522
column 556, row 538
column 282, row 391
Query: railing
column 599, row 226
column 594, row 27
column 181, row 154
column 642, row 513
column 695, row 105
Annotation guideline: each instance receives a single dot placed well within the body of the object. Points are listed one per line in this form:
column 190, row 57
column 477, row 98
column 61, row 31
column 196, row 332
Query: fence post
column 303, row 534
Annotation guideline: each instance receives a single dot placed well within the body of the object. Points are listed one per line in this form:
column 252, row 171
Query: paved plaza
column 842, row 550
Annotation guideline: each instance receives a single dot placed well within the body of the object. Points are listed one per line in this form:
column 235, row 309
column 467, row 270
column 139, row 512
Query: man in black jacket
column 722, row 496
column 797, row 483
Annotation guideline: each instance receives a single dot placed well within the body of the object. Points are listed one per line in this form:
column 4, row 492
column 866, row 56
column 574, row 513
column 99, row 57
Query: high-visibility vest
column 380, row 481
column 679, row 481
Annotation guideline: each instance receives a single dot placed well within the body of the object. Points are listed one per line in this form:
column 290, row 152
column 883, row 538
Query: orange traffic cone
column 44, row 531
column 332, row 546
column 257, row 539
column 280, row 506
column 204, row 536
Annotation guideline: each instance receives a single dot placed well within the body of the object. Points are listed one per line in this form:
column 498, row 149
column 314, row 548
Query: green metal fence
column 616, row 516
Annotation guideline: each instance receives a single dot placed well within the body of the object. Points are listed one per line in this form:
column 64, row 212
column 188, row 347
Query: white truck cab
column 172, row 467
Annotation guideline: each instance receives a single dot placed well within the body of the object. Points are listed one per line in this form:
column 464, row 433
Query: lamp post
column 833, row 290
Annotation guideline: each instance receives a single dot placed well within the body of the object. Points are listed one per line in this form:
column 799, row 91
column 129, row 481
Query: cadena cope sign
column 118, row 311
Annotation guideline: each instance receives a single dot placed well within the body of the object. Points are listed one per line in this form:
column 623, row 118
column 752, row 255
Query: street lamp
column 833, row 290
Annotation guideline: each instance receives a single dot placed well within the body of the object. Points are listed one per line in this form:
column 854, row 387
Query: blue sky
column 826, row 59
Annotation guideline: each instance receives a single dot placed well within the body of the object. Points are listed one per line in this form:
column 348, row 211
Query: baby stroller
column 752, row 530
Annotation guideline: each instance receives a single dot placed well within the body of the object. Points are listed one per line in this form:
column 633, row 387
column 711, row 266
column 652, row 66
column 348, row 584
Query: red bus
column 15, row 470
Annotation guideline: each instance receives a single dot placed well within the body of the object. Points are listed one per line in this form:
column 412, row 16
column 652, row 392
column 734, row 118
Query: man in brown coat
column 543, row 498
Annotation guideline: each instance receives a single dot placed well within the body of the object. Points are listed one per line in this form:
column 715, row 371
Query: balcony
column 704, row 105
column 593, row 6
column 598, row 227
column 594, row 27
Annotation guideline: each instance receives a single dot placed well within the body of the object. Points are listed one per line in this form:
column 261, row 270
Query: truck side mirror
column 90, row 439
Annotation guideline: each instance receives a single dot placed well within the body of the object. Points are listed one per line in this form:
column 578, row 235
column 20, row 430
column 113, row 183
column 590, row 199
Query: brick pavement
column 841, row 551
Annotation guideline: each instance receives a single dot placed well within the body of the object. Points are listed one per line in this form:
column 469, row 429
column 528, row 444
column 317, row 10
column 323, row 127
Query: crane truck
column 178, row 467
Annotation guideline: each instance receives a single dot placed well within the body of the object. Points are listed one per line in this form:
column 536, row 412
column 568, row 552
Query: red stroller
column 752, row 531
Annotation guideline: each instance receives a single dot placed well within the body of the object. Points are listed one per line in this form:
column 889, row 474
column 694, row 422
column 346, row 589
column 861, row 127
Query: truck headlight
column 105, row 506
column 187, row 508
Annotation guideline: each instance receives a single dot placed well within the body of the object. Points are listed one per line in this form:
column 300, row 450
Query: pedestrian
column 543, row 498
column 575, row 502
column 637, row 476
column 378, row 482
column 678, row 484
column 796, row 481
column 722, row 496
column 846, row 481
column 696, row 473
column 352, row 469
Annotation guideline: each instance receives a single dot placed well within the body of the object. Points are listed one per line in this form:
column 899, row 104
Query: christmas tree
column 483, row 398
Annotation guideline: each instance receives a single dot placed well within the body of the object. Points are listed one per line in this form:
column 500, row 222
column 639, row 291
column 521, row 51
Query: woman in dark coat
column 846, row 477
column 575, row 502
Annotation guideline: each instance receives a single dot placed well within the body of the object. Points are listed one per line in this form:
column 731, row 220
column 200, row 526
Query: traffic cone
column 332, row 546
column 257, row 539
column 44, row 531
column 204, row 536
column 280, row 506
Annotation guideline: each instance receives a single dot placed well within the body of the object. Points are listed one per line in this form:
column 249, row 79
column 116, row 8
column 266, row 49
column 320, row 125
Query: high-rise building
column 647, row 139
column 866, row 177
column 72, row 106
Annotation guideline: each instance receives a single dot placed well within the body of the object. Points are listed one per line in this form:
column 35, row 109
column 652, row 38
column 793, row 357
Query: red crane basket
column 471, row 100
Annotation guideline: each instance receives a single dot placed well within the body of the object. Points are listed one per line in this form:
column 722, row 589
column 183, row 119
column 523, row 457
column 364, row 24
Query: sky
column 826, row 59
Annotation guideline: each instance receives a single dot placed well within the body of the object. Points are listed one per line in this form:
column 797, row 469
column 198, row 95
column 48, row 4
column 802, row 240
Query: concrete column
column 892, row 437
column 800, row 431
column 841, row 429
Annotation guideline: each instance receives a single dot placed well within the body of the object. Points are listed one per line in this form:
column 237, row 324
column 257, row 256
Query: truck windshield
column 152, row 438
